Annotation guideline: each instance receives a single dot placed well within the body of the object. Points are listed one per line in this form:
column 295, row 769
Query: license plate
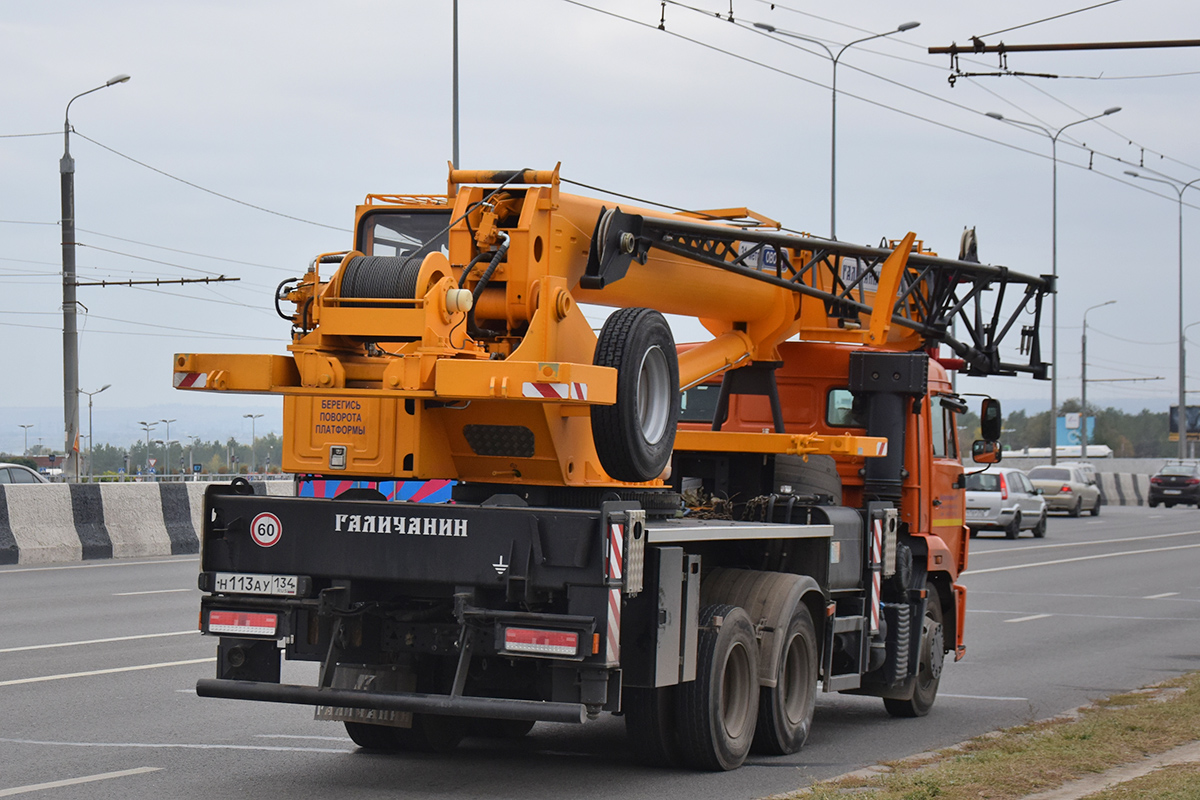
column 1172, row 491
column 240, row 583
column 976, row 512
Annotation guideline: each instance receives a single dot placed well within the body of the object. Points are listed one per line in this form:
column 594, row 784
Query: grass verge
column 1039, row 756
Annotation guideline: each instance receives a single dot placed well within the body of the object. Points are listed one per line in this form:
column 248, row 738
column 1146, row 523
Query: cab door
column 947, row 502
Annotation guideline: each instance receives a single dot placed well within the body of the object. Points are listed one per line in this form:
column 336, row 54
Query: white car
column 1003, row 499
column 16, row 473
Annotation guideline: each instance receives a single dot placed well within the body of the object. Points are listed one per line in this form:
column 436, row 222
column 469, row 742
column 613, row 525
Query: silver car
column 1066, row 489
column 1004, row 499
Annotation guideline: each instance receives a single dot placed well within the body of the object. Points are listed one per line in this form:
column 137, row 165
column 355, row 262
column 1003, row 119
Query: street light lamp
column 91, row 441
column 253, row 455
column 1182, row 417
column 147, row 427
column 1083, row 437
column 25, row 452
column 834, row 59
column 66, row 169
column 166, row 443
column 168, row 423
column 1053, row 136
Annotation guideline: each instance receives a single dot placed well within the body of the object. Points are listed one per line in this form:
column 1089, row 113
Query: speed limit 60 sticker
column 266, row 529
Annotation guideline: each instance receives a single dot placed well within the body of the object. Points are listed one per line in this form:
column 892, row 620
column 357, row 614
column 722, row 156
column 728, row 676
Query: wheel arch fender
column 769, row 598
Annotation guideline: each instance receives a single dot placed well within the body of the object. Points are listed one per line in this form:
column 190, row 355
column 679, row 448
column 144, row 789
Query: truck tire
column 499, row 728
column 373, row 737
column 718, row 711
column 429, row 734
column 650, row 725
column 929, row 668
column 634, row 437
column 785, row 711
column 1014, row 528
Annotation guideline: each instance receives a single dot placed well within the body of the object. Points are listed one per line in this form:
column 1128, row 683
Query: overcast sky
column 302, row 108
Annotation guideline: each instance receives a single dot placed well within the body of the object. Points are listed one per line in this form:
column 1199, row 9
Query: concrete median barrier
column 58, row 522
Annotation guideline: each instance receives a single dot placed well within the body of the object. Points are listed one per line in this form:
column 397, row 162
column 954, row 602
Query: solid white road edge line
column 155, row 591
column 17, row 569
column 1030, row 618
column 103, row 776
column 94, row 641
column 1088, row 543
column 1160, row 596
column 180, row 746
column 982, row 697
column 1082, row 558
column 64, row 676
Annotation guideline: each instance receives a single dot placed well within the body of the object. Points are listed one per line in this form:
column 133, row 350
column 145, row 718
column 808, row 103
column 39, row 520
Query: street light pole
column 454, row 99
column 147, row 427
column 1083, row 437
column 91, row 441
column 66, row 169
column 834, row 59
column 168, row 423
column 1053, row 258
column 25, row 452
column 253, row 455
column 1182, row 416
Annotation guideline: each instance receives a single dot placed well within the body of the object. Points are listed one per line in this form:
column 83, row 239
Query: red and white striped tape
column 616, row 546
column 555, row 391
column 190, row 380
column 876, row 571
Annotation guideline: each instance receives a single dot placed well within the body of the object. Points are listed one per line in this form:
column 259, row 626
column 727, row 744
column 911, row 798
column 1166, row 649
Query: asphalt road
column 98, row 661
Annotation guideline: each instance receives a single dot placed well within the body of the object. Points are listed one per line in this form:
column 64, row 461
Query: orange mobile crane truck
column 566, row 578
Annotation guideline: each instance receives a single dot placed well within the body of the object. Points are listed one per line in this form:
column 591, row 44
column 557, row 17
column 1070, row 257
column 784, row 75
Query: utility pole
column 66, row 169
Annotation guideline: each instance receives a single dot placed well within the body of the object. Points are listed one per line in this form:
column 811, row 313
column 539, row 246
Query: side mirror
column 985, row 452
column 1038, row 491
column 990, row 419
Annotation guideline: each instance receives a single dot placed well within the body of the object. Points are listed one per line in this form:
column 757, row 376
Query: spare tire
column 635, row 436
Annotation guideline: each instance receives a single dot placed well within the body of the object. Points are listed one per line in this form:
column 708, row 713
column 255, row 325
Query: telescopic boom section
column 449, row 342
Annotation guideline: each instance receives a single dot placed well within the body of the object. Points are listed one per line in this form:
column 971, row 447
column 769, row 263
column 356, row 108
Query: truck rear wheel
column 650, row 724
column 718, row 711
column 634, row 437
column 373, row 737
column 429, row 734
column 929, row 668
column 785, row 712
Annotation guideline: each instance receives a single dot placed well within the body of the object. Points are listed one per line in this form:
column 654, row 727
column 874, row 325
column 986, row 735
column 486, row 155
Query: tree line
column 1141, row 435
column 215, row 457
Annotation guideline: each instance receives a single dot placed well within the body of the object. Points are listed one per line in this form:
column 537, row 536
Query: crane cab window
column 404, row 233
column 842, row 410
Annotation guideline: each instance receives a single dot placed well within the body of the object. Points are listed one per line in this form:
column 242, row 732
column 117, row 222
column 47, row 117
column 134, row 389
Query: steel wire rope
column 180, row 332
column 1022, row 80
column 1047, row 19
column 203, row 189
column 876, row 103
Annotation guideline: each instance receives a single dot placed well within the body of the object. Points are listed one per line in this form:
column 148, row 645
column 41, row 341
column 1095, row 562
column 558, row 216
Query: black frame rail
column 933, row 292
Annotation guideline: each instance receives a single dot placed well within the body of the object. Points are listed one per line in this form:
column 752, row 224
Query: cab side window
column 942, row 431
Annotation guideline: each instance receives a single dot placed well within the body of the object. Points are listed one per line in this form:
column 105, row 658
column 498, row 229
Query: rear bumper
column 446, row 705
column 1162, row 494
column 995, row 520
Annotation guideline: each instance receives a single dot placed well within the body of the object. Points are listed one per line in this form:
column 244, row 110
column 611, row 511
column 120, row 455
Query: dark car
column 1175, row 483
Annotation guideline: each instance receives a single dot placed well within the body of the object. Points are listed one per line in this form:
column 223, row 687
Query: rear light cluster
column 1192, row 481
column 541, row 642
column 245, row 623
column 1065, row 489
column 1003, row 487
